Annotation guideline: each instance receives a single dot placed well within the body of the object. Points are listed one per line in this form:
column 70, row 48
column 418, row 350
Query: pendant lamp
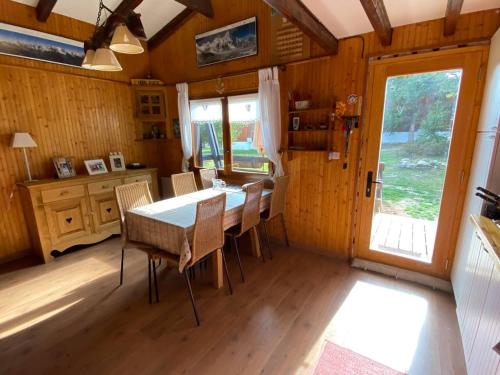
column 105, row 60
column 125, row 42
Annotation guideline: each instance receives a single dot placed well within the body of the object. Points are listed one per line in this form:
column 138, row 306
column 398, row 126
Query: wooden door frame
column 474, row 59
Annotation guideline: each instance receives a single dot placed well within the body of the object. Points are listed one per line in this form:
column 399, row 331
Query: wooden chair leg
column 156, row 281
column 192, row 297
column 267, row 240
column 261, row 242
column 149, row 280
column 284, row 229
column 121, row 266
column 225, row 271
column 239, row 259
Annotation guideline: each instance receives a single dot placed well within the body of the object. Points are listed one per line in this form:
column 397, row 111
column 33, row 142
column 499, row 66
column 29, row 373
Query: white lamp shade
column 105, row 59
column 88, row 60
column 20, row 140
column 125, row 42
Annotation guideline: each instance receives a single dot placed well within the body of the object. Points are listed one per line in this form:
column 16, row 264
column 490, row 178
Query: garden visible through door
column 418, row 117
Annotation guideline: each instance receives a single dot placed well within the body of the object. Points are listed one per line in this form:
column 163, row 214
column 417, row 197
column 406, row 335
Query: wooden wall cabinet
column 75, row 211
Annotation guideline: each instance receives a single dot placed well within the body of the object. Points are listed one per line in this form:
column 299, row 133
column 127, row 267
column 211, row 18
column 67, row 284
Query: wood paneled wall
column 69, row 111
column 321, row 198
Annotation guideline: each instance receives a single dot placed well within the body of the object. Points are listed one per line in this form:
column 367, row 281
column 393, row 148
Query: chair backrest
column 206, row 176
column 278, row 196
column 130, row 196
column 251, row 208
column 208, row 232
column 183, row 183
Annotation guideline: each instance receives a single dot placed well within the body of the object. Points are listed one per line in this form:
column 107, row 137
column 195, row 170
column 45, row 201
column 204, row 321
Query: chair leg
column 225, row 271
column 156, row 282
column 259, row 235
column 239, row 259
column 267, row 240
column 149, row 280
column 284, row 229
column 192, row 297
column 121, row 266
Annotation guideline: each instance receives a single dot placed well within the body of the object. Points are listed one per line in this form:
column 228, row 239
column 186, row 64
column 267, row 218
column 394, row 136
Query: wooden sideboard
column 77, row 210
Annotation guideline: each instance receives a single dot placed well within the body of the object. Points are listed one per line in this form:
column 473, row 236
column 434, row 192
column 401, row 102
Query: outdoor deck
column 403, row 236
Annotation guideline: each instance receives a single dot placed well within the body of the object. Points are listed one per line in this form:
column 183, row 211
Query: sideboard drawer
column 103, row 186
column 144, row 177
column 59, row 194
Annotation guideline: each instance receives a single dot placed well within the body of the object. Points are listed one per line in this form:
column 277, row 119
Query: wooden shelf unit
column 150, row 110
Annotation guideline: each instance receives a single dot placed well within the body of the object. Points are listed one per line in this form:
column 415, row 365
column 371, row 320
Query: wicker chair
column 276, row 208
column 130, row 196
column 206, row 176
column 250, row 217
column 208, row 237
column 183, row 183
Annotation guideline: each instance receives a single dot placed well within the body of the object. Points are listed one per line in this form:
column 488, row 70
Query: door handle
column 369, row 182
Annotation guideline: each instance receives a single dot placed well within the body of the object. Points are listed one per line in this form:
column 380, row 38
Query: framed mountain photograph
column 32, row 44
column 227, row 43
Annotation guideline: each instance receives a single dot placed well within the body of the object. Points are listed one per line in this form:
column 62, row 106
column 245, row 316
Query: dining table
column 168, row 224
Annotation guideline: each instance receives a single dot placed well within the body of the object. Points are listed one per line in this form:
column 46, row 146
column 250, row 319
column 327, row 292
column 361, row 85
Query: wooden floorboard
column 70, row 317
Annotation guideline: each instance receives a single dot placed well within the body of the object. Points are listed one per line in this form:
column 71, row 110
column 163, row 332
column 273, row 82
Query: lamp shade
column 125, row 42
column 105, row 59
column 88, row 60
column 20, row 140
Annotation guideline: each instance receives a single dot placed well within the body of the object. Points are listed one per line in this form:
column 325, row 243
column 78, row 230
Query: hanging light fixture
column 105, row 59
column 88, row 60
column 125, row 42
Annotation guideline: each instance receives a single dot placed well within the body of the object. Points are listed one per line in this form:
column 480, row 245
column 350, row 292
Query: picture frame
column 95, row 166
column 64, row 167
column 36, row 45
column 230, row 42
column 117, row 162
column 296, row 123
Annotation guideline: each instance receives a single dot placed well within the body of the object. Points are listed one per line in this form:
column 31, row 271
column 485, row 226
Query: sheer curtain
column 270, row 116
column 185, row 124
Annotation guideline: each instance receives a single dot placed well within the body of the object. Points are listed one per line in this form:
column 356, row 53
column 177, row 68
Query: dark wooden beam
column 120, row 13
column 44, row 8
column 298, row 14
column 201, row 6
column 451, row 18
column 170, row 27
column 375, row 10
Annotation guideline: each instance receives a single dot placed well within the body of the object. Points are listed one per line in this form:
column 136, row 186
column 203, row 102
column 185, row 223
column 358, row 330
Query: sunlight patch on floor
column 380, row 323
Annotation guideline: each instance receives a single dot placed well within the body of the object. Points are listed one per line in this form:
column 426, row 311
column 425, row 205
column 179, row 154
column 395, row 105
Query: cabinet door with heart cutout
column 68, row 220
column 105, row 213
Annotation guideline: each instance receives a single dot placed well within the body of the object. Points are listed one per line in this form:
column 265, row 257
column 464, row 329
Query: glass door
column 419, row 131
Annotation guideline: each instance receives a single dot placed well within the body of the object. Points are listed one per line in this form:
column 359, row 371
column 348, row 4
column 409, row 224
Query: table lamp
column 24, row 140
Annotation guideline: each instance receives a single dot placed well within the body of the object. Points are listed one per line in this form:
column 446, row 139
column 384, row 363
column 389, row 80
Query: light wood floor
column 69, row 317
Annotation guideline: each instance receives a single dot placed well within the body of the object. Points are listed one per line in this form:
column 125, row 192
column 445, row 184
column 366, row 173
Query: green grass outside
column 250, row 153
column 417, row 192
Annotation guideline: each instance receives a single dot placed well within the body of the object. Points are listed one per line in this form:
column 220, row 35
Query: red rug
column 336, row 360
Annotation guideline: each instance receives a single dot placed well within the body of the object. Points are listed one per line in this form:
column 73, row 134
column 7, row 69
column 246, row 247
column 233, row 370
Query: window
column 206, row 116
column 247, row 148
column 229, row 124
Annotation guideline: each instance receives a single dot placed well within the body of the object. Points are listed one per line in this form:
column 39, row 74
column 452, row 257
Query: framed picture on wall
column 32, row 44
column 95, row 166
column 116, row 161
column 227, row 43
column 64, row 167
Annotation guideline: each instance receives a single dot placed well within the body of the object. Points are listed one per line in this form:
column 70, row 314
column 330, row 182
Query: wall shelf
column 309, row 110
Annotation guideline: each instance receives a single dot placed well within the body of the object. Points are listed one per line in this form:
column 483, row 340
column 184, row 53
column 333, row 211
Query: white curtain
column 270, row 116
column 185, row 124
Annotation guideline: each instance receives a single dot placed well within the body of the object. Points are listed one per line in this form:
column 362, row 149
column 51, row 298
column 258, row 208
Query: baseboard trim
column 403, row 274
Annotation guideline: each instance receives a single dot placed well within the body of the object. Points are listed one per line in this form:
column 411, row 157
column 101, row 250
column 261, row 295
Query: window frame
column 226, row 140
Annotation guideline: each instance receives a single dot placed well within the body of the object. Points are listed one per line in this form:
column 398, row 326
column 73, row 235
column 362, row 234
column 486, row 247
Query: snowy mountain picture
column 18, row 41
column 227, row 43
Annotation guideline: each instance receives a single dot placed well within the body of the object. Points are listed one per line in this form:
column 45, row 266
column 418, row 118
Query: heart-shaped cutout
column 108, row 210
column 69, row 220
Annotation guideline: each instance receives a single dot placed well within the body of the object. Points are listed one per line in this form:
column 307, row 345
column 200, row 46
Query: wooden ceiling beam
column 377, row 14
column 201, row 6
column 170, row 27
column 453, row 9
column 306, row 21
column 43, row 9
